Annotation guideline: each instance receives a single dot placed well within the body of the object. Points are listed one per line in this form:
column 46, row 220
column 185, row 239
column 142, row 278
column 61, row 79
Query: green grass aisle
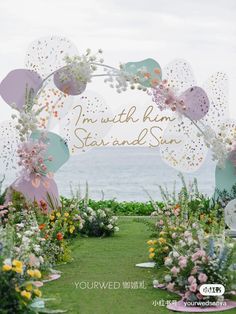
column 109, row 260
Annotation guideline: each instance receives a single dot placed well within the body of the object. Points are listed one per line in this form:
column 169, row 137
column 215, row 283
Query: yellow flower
column 18, row 270
column 162, row 240
column 72, row 229
column 17, row 263
column 17, row 288
column 66, row 214
column 52, row 217
column 154, row 241
column 166, row 248
column 26, row 294
column 30, row 272
column 150, row 242
column 29, row 287
column 58, row 214
column 202, row 216
column 151, row 255
column 162, row 233
column 38, row 293
column 37, row 274
column 151, row 250
column 6, row 267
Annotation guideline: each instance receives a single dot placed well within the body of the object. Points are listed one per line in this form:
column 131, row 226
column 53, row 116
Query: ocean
column 126, row 174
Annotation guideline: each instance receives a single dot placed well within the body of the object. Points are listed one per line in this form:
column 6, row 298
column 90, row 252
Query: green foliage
column 223, row 197
column 123, row 208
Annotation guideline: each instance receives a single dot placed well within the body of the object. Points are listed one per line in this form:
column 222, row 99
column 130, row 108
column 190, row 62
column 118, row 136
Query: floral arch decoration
column 55, row 73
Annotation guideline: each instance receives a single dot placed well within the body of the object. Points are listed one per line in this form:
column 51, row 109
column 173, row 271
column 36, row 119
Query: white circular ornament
column 230, row 215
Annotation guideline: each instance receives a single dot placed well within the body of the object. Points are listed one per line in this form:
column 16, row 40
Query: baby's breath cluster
column 26, row 123
column 81, row 67
column 121, row 80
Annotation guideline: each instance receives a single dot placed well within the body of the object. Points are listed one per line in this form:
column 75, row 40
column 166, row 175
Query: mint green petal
column 148, row 66
column 225, row 177
column 57, row 148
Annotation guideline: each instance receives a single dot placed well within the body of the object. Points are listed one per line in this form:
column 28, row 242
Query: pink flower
column 202, row 277
column 170, row 286
column 193, row 287
column 187, row 234
column 182, row 262
column 191, row 280
column 194, row 270
column 44, row 167
column 33, row 261
column 201, row 253
column 198, row 254
column 199, row 296
column 161, row 222
column 175, row 270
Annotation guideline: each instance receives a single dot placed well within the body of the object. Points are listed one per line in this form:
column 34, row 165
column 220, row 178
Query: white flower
column 29, row 233
column 37, row 248
column 90, row 210
column 91, row 218
column 19, row 235
column 17, row 249
column 20, row 225
column 182, row 243
column 109, row 226
column 102, row 214
column 7, row 261
column 116, row 229
column 41, row 259
column 155, row 283
column 25, row 240
column 167, row 278
column 175, row 254
column 168, row 261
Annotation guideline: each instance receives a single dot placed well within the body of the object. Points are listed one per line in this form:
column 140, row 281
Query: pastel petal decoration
column 52, row 105
column 230, row 214
column 217, row 89
column 47, row 54
column 56, row 148
column 182, row 148
column 46, row 187
column 19, row 85
column 196, row 102
column 66, row 80
column 148, row 71
column 9, row 142
column 179, row 75
column 225, row 178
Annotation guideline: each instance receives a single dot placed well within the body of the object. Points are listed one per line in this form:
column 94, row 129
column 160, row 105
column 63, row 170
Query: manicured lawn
column 109, row 260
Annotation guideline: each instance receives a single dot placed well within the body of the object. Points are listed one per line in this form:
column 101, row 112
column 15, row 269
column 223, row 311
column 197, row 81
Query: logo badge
column 212, row 289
